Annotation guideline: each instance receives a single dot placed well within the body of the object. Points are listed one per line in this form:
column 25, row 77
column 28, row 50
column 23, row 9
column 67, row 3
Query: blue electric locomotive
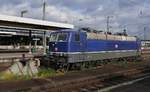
column 76, row 47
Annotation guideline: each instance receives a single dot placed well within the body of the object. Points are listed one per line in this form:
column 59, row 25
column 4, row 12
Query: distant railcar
column 71, row 47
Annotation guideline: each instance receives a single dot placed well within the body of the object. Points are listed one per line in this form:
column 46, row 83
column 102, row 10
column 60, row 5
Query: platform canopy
column 12, row 21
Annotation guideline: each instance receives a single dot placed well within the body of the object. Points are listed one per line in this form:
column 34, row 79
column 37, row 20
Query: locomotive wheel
column 77, row 66
column 62, row 65
column 65, row 68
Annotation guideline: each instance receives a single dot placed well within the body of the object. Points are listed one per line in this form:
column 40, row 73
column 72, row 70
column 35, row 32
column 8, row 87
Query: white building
column 145, row 43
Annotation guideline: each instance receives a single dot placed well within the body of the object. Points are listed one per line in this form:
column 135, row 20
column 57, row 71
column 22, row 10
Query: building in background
column 18, row 32
column 145, row 43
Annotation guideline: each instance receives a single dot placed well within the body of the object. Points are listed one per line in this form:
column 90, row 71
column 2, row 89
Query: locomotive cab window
column 77, row 37
column 58, row 37
column 62, row 37
column 53, row 37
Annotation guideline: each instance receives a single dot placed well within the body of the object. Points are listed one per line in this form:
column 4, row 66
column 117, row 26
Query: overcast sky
column 133, row 15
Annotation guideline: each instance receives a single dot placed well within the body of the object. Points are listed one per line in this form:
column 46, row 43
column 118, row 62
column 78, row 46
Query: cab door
column 80, row 41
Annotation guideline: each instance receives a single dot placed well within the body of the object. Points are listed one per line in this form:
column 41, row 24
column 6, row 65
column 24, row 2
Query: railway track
column 82, row 81
column 96, row 82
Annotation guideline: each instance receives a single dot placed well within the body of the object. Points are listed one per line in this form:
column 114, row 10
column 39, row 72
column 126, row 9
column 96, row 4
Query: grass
column 43, row 73
column 10, row 76
column 48, row 72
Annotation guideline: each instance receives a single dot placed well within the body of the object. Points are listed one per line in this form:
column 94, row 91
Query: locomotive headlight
column 56, row 49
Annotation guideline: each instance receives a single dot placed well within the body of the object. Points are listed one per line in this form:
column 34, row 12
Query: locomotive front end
column 58, row 44
column 58, row 48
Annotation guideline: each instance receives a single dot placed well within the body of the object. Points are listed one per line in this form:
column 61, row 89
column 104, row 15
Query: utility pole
column 144, row 33
column 23, row 12
column 30, row 32
column 108, row 22
column 44, row 10
column 30, row 42
column 44, row 35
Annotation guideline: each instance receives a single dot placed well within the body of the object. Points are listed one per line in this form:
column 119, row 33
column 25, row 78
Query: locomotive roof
column 67, row 30
column 77, row 30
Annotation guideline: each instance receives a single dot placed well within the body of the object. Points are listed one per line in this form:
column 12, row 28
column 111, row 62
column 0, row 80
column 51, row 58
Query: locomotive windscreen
column 58, row 37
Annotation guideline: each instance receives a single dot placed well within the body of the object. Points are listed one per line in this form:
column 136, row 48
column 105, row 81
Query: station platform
column 19, row 55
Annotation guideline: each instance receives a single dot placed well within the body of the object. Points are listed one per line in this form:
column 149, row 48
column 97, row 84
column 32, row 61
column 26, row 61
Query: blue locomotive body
column 80, row 46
